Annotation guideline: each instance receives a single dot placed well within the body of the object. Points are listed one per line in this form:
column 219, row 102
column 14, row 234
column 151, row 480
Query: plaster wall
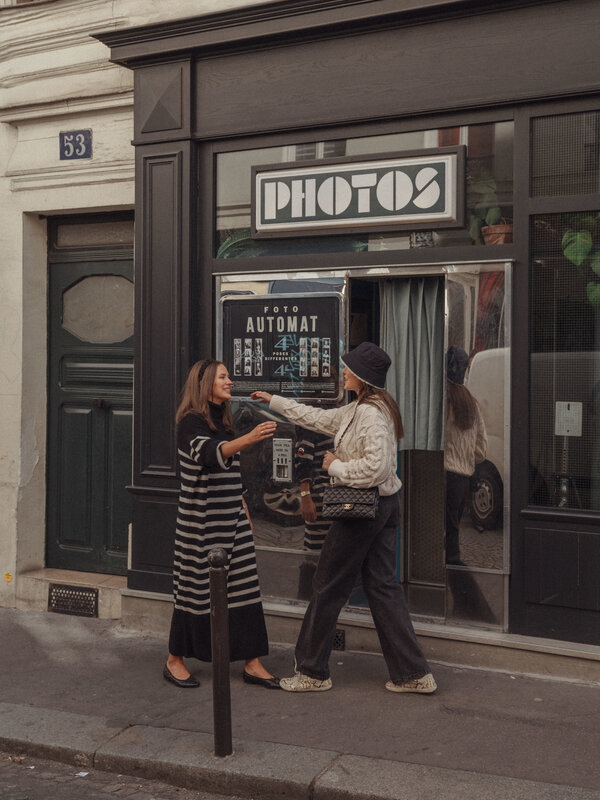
column 53, row 77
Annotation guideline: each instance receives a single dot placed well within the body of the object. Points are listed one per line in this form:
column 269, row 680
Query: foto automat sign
column 287, row 345
column 424, row 189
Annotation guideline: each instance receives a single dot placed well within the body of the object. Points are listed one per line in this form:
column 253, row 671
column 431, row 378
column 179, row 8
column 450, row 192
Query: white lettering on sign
column 281, row 324
column 401, row 190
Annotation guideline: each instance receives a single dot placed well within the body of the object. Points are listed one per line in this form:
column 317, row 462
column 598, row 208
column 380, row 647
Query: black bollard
column 219, row 638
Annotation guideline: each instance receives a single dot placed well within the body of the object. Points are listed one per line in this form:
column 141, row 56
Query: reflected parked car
column 487, row 381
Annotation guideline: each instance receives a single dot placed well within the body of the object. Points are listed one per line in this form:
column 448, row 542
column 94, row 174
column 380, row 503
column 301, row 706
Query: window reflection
column 489, row 150
column 476, row 314
column 473, row 590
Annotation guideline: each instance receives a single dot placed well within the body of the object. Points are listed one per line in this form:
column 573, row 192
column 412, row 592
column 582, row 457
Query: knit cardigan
column 464, row 449
column 364, row 441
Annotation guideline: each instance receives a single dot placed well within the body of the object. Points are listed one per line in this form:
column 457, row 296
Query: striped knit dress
column 211, row 514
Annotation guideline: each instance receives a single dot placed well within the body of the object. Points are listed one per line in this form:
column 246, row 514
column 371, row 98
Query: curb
column 268, row 770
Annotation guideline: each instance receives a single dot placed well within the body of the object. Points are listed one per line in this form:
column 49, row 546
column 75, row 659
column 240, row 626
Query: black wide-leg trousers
column 354, row 546
column 457, row 492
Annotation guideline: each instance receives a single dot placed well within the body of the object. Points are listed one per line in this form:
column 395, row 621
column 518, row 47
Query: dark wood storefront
column 300, row 72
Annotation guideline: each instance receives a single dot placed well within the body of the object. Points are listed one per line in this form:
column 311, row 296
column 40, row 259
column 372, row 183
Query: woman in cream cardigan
column 366, row 434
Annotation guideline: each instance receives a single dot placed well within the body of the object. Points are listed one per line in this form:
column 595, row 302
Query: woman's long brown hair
column 378, row 398
column 196, row 393
column 462, row 404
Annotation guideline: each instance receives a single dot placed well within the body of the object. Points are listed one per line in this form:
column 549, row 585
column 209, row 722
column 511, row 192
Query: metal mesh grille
column 425, row 516
column 565, row 154
column 565, row 361
column 78, row 600
column 339, row 640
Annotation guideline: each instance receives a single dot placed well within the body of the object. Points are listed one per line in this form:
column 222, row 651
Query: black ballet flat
column 268, row 683
column 188, row 683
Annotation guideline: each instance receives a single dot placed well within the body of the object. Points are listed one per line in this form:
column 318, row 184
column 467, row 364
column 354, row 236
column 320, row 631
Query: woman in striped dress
column 212, row 513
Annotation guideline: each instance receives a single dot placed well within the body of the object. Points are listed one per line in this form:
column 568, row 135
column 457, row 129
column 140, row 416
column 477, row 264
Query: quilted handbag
column 345, row 502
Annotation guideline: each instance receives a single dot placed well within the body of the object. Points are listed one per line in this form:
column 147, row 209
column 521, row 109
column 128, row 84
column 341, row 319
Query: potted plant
column 487, row 224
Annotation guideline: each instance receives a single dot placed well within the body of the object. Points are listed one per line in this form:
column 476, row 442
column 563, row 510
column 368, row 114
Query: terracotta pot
column 497, row 234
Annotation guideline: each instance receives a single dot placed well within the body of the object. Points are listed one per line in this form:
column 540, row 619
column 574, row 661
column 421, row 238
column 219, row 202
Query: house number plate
column 75, row 145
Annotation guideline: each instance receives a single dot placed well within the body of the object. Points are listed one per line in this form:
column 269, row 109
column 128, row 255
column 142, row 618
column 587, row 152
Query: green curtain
column 412, row 332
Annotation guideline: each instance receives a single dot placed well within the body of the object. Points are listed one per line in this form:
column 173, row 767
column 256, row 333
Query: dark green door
column 89, row 415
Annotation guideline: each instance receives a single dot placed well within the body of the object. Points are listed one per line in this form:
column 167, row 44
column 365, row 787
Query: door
column 90, row 393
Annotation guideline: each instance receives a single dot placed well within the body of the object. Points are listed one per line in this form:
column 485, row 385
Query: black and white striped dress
column 211, row 514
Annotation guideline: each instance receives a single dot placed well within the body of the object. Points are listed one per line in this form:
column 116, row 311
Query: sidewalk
column 85, row 691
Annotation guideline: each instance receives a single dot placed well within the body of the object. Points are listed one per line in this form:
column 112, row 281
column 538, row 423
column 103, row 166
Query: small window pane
column 99, row 309
column 565, row 154
column 565, row 361
column 94, row 234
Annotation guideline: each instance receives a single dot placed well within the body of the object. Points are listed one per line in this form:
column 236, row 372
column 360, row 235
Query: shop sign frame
column 414, row 190
column 287, row 344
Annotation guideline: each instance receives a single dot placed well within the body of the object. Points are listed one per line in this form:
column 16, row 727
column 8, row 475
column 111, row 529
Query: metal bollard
column 219, row 637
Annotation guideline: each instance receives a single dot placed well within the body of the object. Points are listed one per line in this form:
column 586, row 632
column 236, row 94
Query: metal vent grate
column 564, row 154
column 78, row 600
column 339, row 640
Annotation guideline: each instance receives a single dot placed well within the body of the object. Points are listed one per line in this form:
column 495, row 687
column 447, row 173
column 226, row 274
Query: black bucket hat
column 457, row 362
column 369, row 363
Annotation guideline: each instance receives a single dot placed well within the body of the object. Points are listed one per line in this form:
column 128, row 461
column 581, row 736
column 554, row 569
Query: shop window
column 93, row 234
column 489, row 193
column 315, row 150
column 565, row 361
column 565, row 154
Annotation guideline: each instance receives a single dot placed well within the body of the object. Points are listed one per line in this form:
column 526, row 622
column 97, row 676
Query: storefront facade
column 308, row 93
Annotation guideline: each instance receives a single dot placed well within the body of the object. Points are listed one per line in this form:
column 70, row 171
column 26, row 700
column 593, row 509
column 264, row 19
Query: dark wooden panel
column 425, row 516
column 450, row 64
column 561, row 568
column 287, row 19
column 154, row 520
column 162, row 102
column 76, row 435
column 162, row 267
column 118, row 501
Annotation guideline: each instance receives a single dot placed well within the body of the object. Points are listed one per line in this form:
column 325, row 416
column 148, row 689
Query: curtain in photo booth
column 412, row 332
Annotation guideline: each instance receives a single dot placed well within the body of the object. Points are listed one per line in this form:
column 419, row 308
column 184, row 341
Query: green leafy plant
column 486, row 209
column 580, row 245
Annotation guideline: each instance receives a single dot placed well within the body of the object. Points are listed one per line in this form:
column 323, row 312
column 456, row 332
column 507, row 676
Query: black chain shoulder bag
column 346, row 502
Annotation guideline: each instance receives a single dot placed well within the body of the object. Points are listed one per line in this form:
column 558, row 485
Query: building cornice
column 289, row 20
column 29, row 30
column 72, row 176
column 78, row 105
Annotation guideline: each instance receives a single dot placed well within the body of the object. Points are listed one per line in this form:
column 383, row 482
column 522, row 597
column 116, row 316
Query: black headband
column 204, row 367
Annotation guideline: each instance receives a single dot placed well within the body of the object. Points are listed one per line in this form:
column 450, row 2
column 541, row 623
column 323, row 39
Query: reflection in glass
column 282, row 518
column 476, row 316
column 489, row 151
column 475, row 307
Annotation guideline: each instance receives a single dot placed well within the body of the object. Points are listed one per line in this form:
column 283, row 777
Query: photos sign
column 416, row 191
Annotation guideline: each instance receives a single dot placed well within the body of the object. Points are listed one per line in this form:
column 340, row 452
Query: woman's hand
column 328, row 460
column 247, row 514
column 258, row 434
column 263, row 397
column 263, row 431
column 308, row 510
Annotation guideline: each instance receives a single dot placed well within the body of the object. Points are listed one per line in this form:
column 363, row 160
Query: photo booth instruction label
column 283, row 345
